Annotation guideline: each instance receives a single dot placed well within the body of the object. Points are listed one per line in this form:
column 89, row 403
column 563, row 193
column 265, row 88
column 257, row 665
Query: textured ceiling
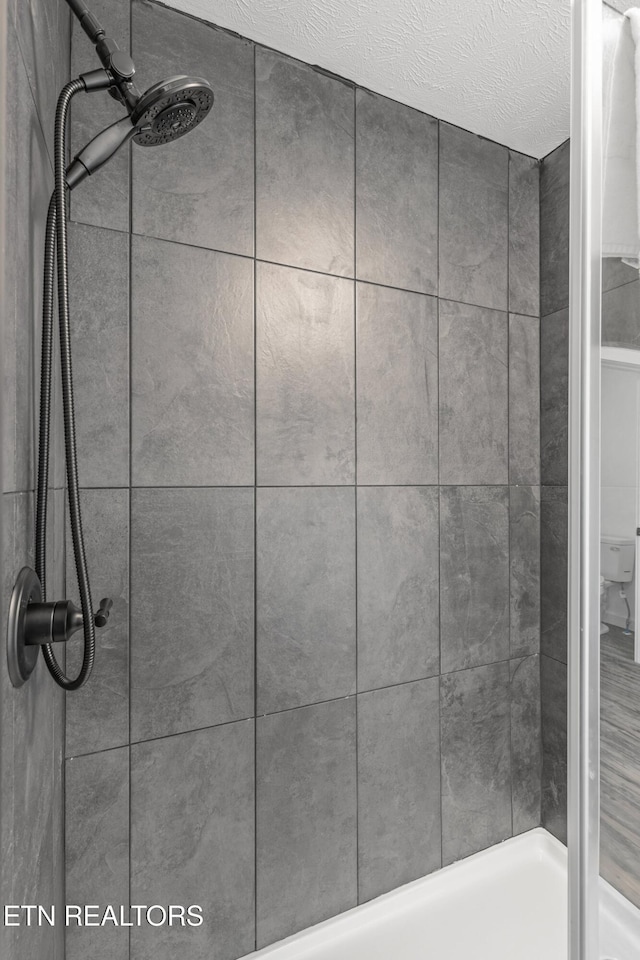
column 497, row 67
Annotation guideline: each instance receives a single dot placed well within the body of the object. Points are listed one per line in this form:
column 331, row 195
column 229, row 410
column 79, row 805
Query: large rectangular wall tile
column 621, row 316
column 304, row 166
column 43, row 29
column 474, row 576
column 554, row 397
column 397, row 386
column 192, row 841
column 306, row 817
column 553, row 572
column 104, row 200
column 524, row 567
column 553, row 680
column 524, row 234
column 30, row 731
column 554, row 230
column 474, row 390
column 474, row 175
column 29, row 182
column 398, row 786
column 17, row 544
column 98, row 714
column 198, row 190
column 192, row 366
column 398, row 635
column 524, row 399
column 306, row 593
column 305, row 378
column 476, row 785
column 396, row 215
column 97, row 849
column 99, row 303
column 526, row 745
column 192, row 609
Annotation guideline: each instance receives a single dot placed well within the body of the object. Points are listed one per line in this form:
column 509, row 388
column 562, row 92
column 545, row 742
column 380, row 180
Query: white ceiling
column 497, row 67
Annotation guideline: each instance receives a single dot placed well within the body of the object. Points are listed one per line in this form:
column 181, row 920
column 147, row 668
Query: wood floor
column 620, row 764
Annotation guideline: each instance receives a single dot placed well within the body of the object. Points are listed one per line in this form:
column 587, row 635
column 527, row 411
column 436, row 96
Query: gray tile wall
column 620, row 327
column 554, row 386
column 31, row 718
column 327, row 521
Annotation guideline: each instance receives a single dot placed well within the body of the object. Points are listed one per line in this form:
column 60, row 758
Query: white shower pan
column 507, row 903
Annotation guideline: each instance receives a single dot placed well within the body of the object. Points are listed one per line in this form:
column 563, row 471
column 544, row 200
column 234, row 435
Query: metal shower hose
column 56, row 248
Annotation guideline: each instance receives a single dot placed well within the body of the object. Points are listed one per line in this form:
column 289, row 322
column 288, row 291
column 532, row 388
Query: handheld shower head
column 164, row 113
column 170, row 109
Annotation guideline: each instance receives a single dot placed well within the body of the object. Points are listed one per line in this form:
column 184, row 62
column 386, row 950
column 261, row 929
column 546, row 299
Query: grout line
column 551, row 152
column 355, row 456
column 509, row 475
column 314, row 486
column 102, row 228
column 550, row 656
column 129, row 550
column 440, row 770
column 438, row 330
column 95, row 753
column 303, row 706
column 510, row 472
column 255, row 504
column 12, row 28
column 324, row 273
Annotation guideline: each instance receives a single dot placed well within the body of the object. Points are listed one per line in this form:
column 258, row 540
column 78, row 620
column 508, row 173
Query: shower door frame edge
column 585, row 269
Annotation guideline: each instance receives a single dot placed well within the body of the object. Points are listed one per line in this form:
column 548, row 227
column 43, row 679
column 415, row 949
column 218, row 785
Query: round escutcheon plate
column 22, row 659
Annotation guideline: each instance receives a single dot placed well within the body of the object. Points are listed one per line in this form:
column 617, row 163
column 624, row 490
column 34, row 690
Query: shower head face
column 170, row 109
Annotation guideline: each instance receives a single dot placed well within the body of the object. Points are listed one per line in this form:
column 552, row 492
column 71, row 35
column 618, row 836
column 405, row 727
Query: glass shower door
column 604, row 456
column 619, row 888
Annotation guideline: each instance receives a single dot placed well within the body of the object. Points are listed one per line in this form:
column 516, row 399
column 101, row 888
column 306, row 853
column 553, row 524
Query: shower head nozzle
column 164, row 113
column 170, row 109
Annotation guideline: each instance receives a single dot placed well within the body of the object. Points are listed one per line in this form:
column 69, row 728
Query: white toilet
column 616, row 566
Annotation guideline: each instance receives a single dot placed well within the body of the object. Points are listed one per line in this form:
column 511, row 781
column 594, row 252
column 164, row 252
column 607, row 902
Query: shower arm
column 118, row 64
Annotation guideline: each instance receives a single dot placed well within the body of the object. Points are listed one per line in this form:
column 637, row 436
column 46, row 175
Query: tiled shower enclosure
column 323, row 493
column 306, row 349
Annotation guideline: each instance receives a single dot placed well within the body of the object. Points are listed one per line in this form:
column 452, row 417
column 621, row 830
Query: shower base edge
column 508, row 902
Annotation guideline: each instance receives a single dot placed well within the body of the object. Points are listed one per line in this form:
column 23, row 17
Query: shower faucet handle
column 102, row 614
column 58, row 621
